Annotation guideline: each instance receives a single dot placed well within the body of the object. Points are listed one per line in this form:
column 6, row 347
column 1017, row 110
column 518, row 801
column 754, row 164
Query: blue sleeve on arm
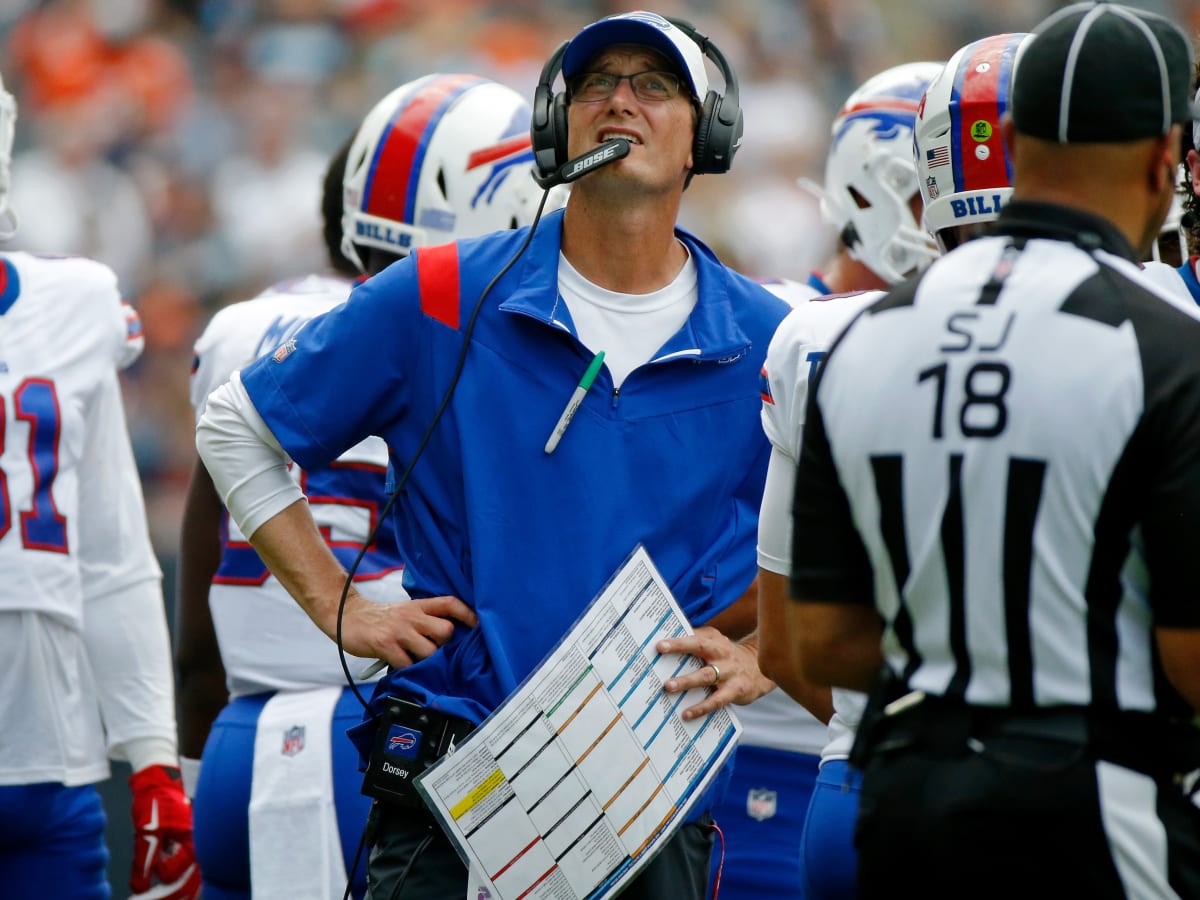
column 342, row 378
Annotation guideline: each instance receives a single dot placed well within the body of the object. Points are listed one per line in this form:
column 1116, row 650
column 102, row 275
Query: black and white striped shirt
column 1004, row 457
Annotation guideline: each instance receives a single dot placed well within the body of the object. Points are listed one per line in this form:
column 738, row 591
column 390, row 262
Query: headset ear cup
column 558, row 121
column 718, row 135
column 702, row 145
column 541, row 132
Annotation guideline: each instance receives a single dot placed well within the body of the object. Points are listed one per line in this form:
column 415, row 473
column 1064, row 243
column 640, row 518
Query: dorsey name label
column 389, row 769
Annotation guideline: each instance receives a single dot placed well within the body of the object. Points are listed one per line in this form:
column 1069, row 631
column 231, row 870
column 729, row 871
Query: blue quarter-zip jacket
column 675, row 460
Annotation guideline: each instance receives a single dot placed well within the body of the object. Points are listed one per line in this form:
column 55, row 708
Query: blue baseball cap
column 644, row 28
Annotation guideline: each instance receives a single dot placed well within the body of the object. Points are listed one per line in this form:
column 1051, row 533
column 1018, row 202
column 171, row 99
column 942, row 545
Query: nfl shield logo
column 284, row 351
column 760, row 803
column 293, row 740
column 931, row 184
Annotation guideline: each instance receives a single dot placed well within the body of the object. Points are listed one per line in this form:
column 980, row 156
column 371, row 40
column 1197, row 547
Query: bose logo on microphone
column 600, row 156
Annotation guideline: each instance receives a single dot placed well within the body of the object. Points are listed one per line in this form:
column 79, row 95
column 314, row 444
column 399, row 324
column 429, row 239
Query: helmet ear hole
column 859, row 200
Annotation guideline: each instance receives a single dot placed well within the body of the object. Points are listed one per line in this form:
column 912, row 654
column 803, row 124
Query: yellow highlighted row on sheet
column 485, row 787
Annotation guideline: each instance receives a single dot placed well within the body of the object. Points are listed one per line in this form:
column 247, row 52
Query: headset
column 718, row 130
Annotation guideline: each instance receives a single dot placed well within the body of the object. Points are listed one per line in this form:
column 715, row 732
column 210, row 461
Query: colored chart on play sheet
column 570, row 787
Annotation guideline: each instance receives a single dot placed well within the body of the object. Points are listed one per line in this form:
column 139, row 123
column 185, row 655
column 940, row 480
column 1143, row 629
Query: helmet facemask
column 870, row 179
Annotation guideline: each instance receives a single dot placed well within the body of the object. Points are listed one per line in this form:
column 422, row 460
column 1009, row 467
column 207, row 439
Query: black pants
column 412, row 859
column 1014, row 817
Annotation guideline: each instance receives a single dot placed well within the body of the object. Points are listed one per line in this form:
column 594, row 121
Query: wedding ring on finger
column 716, row 674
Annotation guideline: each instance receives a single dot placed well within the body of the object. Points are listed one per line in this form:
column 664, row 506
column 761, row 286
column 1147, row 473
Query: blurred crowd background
column 183, row 143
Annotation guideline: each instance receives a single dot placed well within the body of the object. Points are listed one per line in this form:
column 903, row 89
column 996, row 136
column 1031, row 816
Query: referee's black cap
column 1102, row 73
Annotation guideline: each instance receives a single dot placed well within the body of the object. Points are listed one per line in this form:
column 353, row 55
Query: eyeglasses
column 591, row 87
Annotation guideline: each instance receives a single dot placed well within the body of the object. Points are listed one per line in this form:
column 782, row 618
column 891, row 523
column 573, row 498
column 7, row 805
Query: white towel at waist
column 295, row 850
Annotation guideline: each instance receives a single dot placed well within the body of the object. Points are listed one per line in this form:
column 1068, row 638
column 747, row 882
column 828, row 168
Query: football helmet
column 870, row 180
column 964, row 167
column 8, row 123
column 439, row 158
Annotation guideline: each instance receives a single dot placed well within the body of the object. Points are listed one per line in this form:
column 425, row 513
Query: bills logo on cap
column 284, row 351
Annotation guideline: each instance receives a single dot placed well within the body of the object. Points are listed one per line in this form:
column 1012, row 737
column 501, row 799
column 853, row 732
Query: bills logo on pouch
column 408, row 739
column 403, row 742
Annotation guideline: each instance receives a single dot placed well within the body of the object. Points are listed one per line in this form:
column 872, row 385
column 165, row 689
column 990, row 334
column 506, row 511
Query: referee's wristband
column 189, row 769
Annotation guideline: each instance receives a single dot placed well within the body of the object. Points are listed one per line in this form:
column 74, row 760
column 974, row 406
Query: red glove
column 164, row 862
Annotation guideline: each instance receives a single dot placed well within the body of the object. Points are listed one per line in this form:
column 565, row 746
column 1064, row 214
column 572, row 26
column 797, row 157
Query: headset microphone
column 572, row 169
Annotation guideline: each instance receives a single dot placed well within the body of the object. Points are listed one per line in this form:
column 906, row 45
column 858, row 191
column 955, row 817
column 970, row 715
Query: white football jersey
column 267, row 641
column 799, row 345
column 793, row 293
column 72, row 520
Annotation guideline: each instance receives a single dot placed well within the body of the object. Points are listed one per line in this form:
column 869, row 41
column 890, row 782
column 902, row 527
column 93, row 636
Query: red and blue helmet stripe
column 977, row 104
column 394, row 175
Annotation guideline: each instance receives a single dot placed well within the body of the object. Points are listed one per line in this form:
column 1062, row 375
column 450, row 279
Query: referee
column 998, row 503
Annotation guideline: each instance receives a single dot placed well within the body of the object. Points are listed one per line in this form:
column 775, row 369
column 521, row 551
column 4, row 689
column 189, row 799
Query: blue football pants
column 52, row 842
column 221, row 807
column 761, row 815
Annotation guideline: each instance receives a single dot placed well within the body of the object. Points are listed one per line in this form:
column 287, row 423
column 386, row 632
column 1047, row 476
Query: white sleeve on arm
column 247, row 465
column 124, row 620
column 775, row 516
column 786, row 371
column 129, row 648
